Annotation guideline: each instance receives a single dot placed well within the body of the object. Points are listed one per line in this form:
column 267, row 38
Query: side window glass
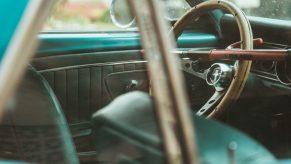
column 95, row 15
column 80, row 15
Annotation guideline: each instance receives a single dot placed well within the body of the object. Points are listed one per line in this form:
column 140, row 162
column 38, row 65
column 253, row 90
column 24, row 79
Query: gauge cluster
column 271, row 70
column 283, row 72
column 278, row 71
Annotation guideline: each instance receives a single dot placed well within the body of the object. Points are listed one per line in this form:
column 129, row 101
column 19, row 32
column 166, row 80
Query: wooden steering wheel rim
column 242, row 68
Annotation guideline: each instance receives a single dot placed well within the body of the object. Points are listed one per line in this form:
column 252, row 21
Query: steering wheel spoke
column 192, row 67
column 210, row 105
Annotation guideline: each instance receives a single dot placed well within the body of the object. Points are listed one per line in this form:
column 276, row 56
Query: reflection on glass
column 84, row 15
column 276, row 9
column 175, row 8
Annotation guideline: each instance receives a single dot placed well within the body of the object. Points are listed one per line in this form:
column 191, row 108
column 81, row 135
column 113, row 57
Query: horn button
column 219, row 76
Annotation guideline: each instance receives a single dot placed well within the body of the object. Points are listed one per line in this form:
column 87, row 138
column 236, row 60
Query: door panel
column 127, row 81
column 59, row 62
column 82, row 91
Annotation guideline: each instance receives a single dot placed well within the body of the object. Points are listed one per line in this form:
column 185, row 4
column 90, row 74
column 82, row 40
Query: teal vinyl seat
column 33, row 128
column 126, row 131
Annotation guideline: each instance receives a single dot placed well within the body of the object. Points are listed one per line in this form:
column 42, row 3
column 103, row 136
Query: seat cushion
column 126, row 130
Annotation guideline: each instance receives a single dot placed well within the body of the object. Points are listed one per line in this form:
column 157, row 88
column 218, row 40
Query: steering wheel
column 227, row 80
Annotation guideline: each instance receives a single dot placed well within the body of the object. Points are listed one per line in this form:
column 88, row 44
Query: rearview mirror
column 120, row 14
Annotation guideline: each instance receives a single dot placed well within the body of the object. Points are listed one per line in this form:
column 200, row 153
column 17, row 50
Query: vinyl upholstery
column 126, row 130
column 34, row 128
column 81, row 90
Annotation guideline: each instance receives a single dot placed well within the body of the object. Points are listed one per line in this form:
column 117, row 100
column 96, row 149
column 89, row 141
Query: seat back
column 34, row 128
column 126, row 131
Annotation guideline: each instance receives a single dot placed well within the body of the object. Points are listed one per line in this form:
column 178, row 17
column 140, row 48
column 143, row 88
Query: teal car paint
column 9, row 20
column 52, row 43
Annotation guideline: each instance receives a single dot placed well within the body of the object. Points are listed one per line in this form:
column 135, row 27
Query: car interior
column 90, row 90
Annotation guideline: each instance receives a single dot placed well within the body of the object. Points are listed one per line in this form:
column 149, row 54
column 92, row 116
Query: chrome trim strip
column 91, row 65
column 262, row 72
column 265, row 77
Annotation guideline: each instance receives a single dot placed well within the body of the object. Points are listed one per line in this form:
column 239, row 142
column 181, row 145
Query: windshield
column 275, row 9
